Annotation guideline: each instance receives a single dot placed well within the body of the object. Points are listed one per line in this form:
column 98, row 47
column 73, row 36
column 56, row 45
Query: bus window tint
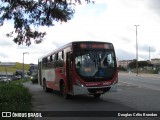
column 94, row 63
column 85, row 65
column 108, row 60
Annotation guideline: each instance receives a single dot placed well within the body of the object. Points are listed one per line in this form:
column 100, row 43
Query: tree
column 27, row 14
column 132, row 64
column 141, row 64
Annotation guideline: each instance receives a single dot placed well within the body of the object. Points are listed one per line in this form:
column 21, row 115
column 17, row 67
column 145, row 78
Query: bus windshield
column 95, row 62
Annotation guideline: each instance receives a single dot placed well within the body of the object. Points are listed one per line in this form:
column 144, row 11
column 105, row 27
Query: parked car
column 26, row 76
column 34, row 78
column 5, row 79
column 16, row 77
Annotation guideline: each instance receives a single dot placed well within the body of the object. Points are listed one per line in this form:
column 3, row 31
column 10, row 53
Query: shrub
column 14, row 97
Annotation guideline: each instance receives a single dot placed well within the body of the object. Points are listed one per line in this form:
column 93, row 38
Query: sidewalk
column 141, row 74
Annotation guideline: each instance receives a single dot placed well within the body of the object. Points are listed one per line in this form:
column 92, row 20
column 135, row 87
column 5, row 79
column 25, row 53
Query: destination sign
column 95, row 46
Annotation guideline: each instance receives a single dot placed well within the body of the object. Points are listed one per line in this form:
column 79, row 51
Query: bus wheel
column 63, row 91
column 97, row 95
column 45, row 88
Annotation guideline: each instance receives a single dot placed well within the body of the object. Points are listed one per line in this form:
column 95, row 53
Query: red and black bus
column 80, row 68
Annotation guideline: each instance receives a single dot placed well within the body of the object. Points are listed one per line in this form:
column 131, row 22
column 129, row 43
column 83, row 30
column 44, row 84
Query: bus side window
column 60, row 55
column 49, row 64
column 48, row 59
column 60, row 59
column 56, row 57
column 44, row 61
column 51, row 58
column 53, row 62
column 63, row 55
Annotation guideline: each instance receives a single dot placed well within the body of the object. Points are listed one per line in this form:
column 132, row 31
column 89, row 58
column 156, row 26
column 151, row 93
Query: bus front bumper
column 82, row 90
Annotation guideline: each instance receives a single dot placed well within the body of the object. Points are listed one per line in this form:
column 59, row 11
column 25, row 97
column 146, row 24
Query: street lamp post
column 136, row 51
column 23, row 63
column 149, row 53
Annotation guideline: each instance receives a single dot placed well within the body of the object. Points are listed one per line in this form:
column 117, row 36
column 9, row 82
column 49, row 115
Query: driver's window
column 108, row 60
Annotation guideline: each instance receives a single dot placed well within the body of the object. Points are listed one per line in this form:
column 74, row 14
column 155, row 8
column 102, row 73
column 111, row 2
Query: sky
column 107, row 20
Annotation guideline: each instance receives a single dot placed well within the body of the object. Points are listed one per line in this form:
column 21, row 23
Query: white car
column 5, row 79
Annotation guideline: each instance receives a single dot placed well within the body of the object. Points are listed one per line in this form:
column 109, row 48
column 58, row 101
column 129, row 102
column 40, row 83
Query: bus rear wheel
column 45, row 88
column 64, row 92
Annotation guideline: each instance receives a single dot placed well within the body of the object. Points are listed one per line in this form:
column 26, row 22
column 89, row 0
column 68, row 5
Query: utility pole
column 149, row 53
column 23, row 63
column 136, row 51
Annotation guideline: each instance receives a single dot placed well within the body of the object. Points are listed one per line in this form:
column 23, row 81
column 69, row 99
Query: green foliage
column 21, row 80
column 144, row 63
column 155, row 71
column 140, row 64
column 121, row 68
column 20, row 65
column 27, row 13
column 14, row 97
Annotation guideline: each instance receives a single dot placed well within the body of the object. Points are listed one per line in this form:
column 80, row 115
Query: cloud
column 5, row 43
column 57, row 44
column 106, row 20
column 2, row 55
column 24, row 47
column 124, row 55
column 154, row 5
column 92, row 9
column 145, row 48
column 125, row 39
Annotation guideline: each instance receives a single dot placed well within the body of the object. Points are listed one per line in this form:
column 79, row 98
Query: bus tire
column 45, row 88
column 64, row 92
column 97, row 95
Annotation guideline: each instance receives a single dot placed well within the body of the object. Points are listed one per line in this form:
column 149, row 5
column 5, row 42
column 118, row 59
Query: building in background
column 7, row 68
column 124, row 63
column 11, row 68
column 152, row 66
column 156, row 63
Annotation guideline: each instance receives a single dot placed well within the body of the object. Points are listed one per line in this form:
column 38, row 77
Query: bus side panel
column 40, row 73
column 50, row 76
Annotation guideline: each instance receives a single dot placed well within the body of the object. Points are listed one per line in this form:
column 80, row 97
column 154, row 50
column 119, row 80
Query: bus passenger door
column 69, row 71
column 40, row 73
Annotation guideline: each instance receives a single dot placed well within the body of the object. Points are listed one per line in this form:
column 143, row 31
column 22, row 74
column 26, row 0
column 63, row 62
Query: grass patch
column 20, row 81
column 14, row 97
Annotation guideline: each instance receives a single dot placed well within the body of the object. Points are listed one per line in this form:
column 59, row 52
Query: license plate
column 100, row 91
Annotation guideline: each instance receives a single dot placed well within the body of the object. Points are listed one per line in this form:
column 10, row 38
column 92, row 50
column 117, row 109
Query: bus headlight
column 79, row 83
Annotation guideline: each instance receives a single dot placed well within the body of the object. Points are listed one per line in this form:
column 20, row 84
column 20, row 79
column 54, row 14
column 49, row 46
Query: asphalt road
column 149, row 81
column 135, row 93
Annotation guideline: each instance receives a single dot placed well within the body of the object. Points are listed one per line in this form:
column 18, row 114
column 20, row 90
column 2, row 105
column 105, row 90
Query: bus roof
column 70, row 44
